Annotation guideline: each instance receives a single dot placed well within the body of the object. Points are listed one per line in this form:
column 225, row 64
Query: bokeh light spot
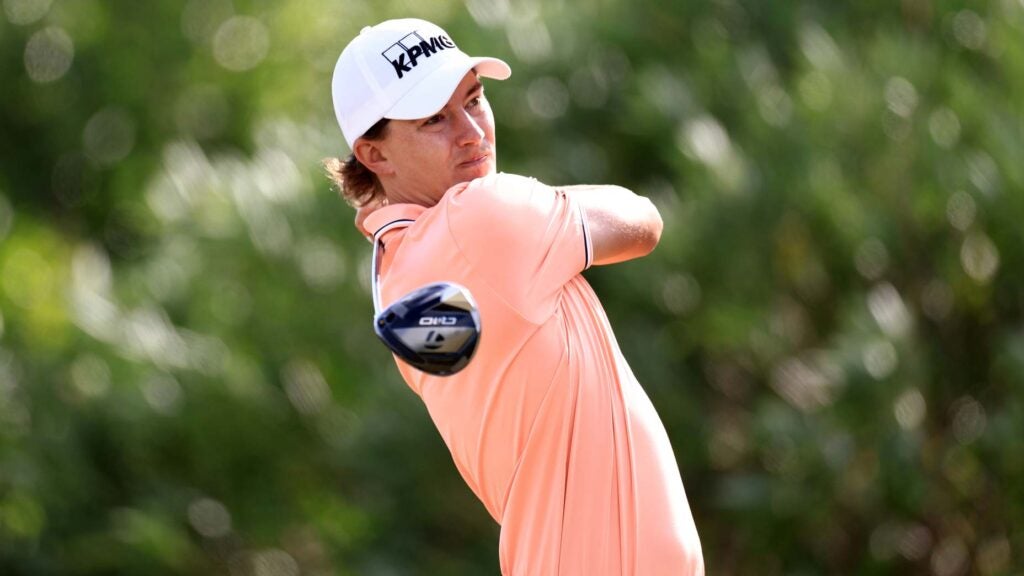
column 901, row 96
column 529, row 38
column 548, row 97
column 757, row 68
column 871, row 259
column 916, row 542
column 983, row 172
column 209, row 518
column 241, row 43
column 970, row 30
column 950, row 557
column 91, row 282
column 960, row 210
column 667, row 91
column 909, row 409
column 944, row 126
column 880, row 359
column 275, row 174
column 819, row 47
column 883, row 540
column 937, row 300
column 163, row 393
column 274, row 562
column 807, row 383
column 680, row 293
column 48, row 55
column 707, row 140
column 969, row 420
column 338, row 427
column 979, row 257
column 321, row 264
column 774, row 105
column 888, row 310
column 22, row 12
column 305, row 387
column 109, row 136
column 90, row 269
column 704, row 139
column 994, row 556
column 488, row 13
column 90, row 376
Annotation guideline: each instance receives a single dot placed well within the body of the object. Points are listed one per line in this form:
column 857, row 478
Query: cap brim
column 434, row 91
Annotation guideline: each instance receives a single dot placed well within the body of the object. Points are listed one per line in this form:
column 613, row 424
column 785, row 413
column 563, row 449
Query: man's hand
column 364, row 211
column 622, row 225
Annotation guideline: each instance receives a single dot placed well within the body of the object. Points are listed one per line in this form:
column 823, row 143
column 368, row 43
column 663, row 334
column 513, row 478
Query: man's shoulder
column 490, row 192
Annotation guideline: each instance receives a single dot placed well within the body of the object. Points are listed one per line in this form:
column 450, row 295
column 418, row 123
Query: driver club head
column 435, row 328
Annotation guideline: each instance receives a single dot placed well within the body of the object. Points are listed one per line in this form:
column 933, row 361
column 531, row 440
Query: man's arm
column 622, row 225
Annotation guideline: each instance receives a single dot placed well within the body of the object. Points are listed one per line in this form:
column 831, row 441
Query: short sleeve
column 525, row 238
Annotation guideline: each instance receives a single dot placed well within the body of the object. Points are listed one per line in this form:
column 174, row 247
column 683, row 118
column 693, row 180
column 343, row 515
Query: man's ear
column 370, row 154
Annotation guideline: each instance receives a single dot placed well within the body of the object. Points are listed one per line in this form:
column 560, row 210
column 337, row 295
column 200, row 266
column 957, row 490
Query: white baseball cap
column 400, row 69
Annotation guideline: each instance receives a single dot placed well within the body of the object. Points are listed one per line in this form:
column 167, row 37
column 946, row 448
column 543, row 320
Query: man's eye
column 432, row 120
column 474, row 102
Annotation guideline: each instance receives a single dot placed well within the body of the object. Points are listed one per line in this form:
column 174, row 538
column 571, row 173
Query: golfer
column 547, row 424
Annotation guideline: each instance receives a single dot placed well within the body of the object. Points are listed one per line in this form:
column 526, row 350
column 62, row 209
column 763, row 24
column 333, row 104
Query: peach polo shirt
column 547, row 424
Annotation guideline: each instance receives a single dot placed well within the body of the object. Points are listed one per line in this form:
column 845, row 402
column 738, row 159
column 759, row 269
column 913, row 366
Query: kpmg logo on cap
column 404, row 55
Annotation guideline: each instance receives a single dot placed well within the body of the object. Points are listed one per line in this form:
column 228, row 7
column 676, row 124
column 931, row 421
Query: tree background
column 831, row 327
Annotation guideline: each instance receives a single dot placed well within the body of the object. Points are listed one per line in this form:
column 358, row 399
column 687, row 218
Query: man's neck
column 400, row 195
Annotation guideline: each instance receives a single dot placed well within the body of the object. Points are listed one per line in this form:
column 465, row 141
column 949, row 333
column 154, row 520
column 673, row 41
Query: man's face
column 426, row 157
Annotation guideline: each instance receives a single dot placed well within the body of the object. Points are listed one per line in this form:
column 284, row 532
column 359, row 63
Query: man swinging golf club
column 546, row 423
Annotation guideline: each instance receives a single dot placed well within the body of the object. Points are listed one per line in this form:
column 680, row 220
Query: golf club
column 435, row 328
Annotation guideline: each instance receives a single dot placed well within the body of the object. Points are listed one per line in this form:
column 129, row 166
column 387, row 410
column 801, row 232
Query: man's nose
column 469, row 130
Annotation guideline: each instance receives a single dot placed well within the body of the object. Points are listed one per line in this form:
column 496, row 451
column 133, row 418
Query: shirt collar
column 388, row 214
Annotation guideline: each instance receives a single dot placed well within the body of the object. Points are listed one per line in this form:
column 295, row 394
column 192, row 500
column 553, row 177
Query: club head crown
column 435, row 328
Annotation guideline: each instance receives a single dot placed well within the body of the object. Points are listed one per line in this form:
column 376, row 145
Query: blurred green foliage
column 832, row 328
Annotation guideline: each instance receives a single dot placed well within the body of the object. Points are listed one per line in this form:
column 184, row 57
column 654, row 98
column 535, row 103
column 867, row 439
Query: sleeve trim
column 392, row 224
column 588, row 246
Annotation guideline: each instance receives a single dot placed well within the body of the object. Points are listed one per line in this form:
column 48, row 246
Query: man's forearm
column 623, row 225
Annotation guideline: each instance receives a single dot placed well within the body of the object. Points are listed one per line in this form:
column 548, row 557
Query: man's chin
column 474, row 171
column 484, row 168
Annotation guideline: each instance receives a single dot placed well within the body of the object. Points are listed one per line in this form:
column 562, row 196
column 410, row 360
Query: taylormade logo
column 404, row 55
